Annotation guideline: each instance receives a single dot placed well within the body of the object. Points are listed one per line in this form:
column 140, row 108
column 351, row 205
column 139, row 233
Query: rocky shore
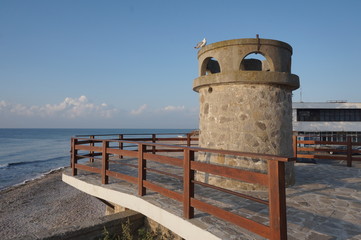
column 44, row 206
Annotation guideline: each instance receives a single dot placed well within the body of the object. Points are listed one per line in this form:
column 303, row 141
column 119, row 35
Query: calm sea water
column 27, row 154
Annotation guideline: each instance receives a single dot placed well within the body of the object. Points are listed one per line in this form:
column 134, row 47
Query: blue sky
column 131, row 64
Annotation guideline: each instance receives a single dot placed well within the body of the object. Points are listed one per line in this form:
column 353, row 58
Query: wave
column 8, row 165
column 43, row 174
column 4, row 165
column 38, row 176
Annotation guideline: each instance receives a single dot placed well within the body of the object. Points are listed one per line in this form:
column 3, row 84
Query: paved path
column 324, row 204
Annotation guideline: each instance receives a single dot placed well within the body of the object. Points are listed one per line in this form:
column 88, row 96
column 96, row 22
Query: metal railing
column 147, row 151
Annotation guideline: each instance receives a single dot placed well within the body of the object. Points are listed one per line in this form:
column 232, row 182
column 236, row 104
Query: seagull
column 201, row 44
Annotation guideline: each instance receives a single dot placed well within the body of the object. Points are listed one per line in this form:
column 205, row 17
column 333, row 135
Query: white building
column 331, row 121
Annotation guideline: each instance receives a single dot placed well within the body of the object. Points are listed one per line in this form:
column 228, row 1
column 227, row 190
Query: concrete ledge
column 245, row 41
column 248, row 77
column 182, row 227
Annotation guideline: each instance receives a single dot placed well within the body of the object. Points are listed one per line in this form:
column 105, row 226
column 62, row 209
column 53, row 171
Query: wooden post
column 74, row 158
column 142, row 164
column 188, row 185
column 188, row 139
column 153, row 140
column 277, row 200
column 295, row 146
column 121, row 145
column 105, row 163
column 91, row 158
column 71, row 152
column 349, row 151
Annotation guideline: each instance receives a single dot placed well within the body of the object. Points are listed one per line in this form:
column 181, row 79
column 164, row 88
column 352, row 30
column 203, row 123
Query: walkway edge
column 178, row 225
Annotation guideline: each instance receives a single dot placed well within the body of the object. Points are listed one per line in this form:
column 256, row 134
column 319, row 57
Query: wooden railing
column 273, row 180
column 187, row 139
column 326, row 150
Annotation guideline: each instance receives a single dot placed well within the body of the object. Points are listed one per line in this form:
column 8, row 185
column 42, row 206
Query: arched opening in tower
column 255, row 62
column 210, row 66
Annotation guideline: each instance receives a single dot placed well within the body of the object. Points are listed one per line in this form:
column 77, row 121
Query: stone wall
column 246, row 106
column 227, row 121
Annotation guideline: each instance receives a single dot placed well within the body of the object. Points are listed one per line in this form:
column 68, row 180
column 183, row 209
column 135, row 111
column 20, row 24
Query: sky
column 131, row 64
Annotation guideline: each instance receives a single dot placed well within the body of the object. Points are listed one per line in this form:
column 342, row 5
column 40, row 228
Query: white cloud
column 173, row 108
column 82, row 112
column 139, row 110
column 69, row 108
column 3, row 105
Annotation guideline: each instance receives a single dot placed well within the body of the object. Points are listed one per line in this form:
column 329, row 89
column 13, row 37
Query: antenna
column 301, row 94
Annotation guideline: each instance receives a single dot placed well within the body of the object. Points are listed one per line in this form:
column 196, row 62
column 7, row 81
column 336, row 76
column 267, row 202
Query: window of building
column 330, row 136
column 329, row 115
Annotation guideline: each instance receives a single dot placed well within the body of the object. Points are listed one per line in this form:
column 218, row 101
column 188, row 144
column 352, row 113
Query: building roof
column 327, row 105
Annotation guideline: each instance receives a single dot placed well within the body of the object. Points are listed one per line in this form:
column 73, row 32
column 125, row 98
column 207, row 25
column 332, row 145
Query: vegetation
column 108, row 236
column 126, row 231
column 142, row 234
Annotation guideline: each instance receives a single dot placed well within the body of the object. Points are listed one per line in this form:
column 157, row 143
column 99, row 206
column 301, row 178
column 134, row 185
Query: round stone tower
column 245, row 104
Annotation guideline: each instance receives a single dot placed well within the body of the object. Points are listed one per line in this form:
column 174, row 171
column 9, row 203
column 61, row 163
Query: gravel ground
column 44, row 205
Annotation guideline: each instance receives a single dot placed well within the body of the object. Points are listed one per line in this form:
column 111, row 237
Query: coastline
column 44, row 205
column 42, row 175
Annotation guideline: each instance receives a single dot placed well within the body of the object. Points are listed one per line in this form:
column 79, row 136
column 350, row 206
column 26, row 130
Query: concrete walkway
column 324, row 204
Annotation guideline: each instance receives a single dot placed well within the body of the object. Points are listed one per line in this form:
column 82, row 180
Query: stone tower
column 245, row 104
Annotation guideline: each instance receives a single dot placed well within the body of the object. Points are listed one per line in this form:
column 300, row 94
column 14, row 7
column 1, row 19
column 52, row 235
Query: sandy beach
column 44, row 206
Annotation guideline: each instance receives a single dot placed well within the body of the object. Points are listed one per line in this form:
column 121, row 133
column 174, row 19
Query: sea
column 27, row 154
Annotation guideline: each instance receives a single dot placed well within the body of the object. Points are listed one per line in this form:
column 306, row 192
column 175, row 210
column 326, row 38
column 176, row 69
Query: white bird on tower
column 201, row 44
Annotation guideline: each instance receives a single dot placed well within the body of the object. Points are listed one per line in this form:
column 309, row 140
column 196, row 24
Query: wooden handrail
column 198, row 149
column 274, row 179
column 131, row 134
column 318, row 149
column 224, row 171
